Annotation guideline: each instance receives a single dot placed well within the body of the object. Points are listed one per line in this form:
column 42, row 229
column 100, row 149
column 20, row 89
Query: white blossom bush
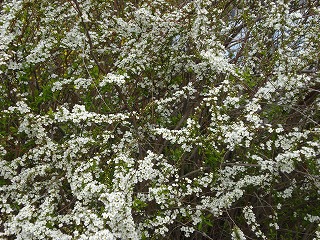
column 159, row 119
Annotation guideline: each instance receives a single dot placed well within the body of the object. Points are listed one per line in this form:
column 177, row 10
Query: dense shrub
column 159, row 119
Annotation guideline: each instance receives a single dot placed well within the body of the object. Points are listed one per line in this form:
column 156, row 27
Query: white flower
column 113, row 78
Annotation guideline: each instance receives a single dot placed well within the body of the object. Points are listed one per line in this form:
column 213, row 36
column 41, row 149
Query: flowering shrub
column 159, row 119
